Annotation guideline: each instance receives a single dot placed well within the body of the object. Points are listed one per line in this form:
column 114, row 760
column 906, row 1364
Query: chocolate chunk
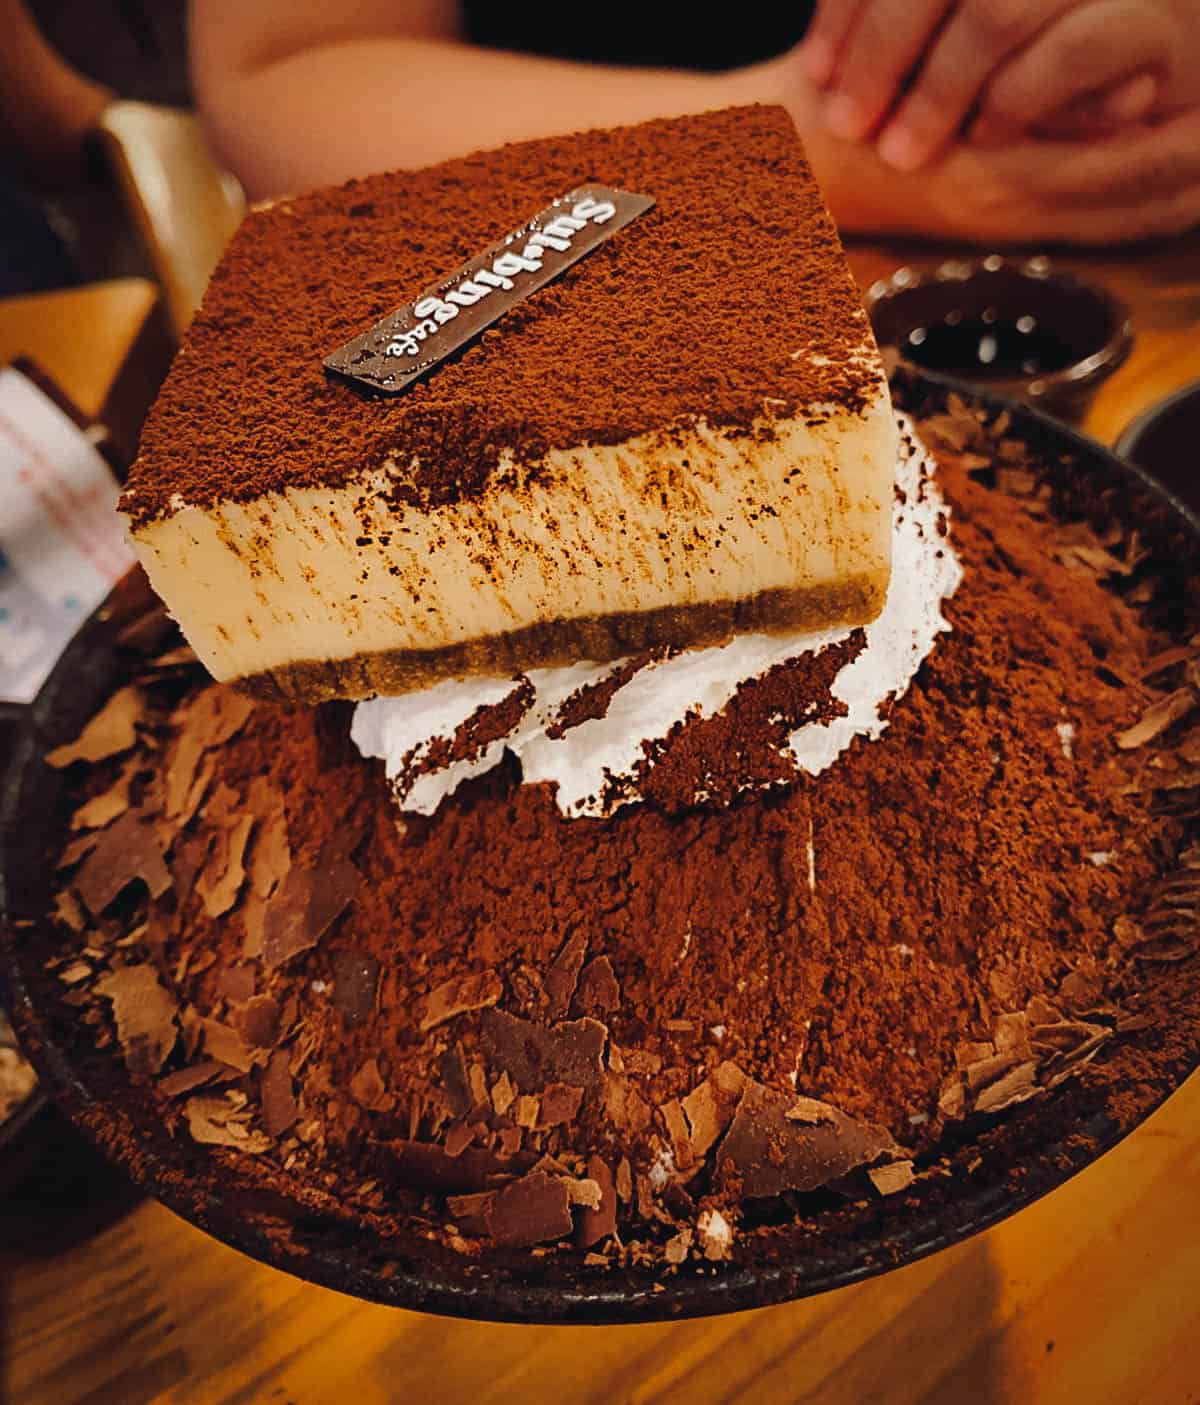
column 598, row 991
column 532, row 1210
column 257, row 1021
column 563, row 976
column 455, row 1082
column 355, row 984
column 145, row 1015
column 460, row 995
column 111, row 731
column 600, row 1223
column 559, row 1104
column 279, row 1110
column 128, row 849
column 470, row 1211
column 428, row 1167
column 769, row 1153
column 304, row 907
column 236, row 983
column 534, row 1055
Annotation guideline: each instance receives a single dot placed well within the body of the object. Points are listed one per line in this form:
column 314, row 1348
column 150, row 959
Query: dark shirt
column 653, row 33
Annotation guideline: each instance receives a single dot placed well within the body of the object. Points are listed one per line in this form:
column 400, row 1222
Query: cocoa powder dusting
column 948, row 922
column 732, row 289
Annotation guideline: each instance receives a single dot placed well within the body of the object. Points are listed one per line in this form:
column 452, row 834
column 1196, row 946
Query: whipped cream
column 432, row 741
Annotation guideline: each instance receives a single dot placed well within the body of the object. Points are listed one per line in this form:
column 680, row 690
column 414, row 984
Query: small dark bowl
column 1165, row 441
column 1016, row 327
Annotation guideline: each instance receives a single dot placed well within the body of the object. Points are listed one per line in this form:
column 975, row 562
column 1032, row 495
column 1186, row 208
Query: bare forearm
column 380, row 102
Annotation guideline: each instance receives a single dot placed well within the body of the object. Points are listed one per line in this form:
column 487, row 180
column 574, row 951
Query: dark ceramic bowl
column 819, row 1242
column 1015, row 327
column 1165, row 441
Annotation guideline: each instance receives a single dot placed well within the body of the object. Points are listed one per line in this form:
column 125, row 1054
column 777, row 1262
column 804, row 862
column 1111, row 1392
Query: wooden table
column 1090, row 1295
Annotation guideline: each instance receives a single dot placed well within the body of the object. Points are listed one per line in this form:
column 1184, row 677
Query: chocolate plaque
column 411, row 341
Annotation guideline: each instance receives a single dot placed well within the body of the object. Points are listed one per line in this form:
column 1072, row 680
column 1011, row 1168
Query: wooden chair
column 183, row 204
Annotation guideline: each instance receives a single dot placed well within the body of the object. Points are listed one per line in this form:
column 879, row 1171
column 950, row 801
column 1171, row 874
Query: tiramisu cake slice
column 684, row 435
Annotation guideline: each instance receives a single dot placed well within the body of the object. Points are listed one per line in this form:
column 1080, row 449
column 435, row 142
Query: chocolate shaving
column 271, row 855
column 226, row 1044
column 111, row 731
column 892, row 1178
column 625, row 1106
column 68, row 910
column 532, row 1210
column 582, row 1193
column 1015, row 1085
column 215, row 1122
column 709, row 1107
column 504, row 1094
column 369, row 1090
column 145, row 1015
column 236, row 983
column 78, row 848
column 679, row 1133
column 809, row 1111
column 279, row 1110
column 184, row 1080
column 1157, row 718
column 303, row 909
column 222, row 877
column 458, row 996
column 455, row 1085
column 563, row 975
column 110, row 804
column 535, row 1055
column 128, row 850
column 769, row 1154
column 206, row 720
column 257, row 1021
column 559, row 1103
column 355, row 984
column 599, row 1222
column 598, row 991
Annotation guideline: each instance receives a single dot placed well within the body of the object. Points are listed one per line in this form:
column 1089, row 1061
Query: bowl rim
column 1078, row 376
column 900, row 1235
column 1127, row 441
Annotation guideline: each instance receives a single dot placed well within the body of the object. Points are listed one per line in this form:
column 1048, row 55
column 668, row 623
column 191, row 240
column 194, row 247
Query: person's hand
column 917, row 73
column 1142, row 182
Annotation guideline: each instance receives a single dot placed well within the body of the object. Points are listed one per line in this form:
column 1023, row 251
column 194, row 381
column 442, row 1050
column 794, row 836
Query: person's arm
column 47, row 109
column 294, row 98
column 308, row 94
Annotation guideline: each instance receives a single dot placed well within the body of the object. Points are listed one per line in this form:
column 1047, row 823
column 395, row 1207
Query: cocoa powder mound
column 953, row 849
column 953, row 917
column 731, row 289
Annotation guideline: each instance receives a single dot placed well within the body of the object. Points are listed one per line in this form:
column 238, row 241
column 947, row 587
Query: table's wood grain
column 1091, row 1295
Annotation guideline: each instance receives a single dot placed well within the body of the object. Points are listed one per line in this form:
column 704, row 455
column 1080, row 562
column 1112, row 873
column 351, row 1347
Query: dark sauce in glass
column 989, row 347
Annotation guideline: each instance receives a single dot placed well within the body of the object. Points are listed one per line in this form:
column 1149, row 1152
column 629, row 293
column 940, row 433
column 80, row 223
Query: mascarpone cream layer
column 695, row 517
column 594, row 763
